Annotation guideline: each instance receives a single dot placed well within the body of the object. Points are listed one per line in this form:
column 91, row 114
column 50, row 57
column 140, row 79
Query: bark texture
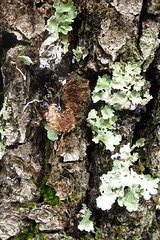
column 35, row 171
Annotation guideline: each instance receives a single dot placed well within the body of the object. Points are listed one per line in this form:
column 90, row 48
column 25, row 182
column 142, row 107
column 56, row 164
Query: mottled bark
column 35, row 170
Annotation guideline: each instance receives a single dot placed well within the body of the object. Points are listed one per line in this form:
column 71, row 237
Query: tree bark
column 44, row 183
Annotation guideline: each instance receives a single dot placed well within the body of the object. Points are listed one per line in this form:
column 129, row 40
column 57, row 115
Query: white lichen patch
column 123, row 184
column 50, row 53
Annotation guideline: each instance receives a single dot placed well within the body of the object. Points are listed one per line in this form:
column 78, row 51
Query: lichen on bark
column 57, row 89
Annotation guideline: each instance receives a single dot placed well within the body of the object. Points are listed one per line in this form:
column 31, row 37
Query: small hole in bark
column 8, row 40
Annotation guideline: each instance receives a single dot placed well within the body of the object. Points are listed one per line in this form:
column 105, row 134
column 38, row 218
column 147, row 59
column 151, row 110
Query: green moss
column 23, row 51
column 30, row 232
column 48, row 149
column 120, row 230
column 93, row 235
column 97, row 233
column 65, row 236
column 73, row 198
column 48, row 153
column 96, row 4
column 49, row 195
column 87, row 29
column 27, row 205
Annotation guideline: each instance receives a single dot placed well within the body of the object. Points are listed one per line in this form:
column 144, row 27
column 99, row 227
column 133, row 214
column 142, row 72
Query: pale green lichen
column 78, row 52
column 126, row 85
column 85, row 224
column 60, row 24
column 123, row 91
column 51, row 135
column 4, row 113
column 104, row 130
column 26, row 60
column 123, row 184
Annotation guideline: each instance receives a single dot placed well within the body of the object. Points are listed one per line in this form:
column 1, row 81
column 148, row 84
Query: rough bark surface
column 36, row 172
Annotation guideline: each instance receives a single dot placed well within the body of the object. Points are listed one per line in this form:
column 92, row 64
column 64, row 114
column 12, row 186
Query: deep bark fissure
column 142, row 16
column 1, row 87
column 147, row 119
column 7, row 41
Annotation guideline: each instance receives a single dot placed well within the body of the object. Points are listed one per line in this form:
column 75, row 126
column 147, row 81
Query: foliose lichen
column 123, row 91
column 61, row 21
